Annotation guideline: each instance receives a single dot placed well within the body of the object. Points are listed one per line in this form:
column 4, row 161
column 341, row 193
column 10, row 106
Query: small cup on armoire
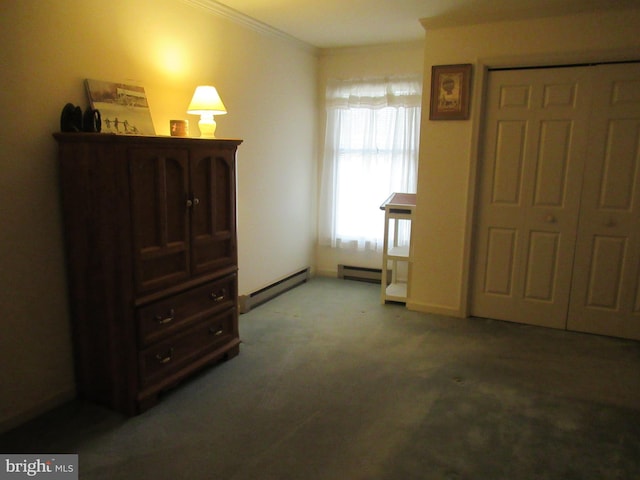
column 179, row 128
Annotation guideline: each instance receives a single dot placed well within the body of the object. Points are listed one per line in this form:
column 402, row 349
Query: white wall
column 442, row 233
column 48, row 48
column 375, row 61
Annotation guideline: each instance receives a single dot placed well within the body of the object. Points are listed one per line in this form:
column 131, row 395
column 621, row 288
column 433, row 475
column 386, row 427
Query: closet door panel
column 605, row 292
column 542, row 266
column 530, row 181
column 500, row 261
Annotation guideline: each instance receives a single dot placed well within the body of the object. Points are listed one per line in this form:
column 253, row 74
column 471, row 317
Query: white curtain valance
column 395, row 91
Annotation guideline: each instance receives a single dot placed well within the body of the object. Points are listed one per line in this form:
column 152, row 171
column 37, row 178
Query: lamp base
column 207, row 126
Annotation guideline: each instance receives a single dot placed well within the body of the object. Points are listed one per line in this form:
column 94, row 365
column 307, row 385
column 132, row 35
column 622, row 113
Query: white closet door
column 531, row 171
column 606, row 290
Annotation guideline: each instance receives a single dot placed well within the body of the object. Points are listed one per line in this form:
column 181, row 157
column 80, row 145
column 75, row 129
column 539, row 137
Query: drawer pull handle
column 165, row 319
column 166, row 358
column 218, row 296
column 217, row 331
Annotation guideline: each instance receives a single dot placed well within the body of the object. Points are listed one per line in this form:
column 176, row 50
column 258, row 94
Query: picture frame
column 450, row 92
column 124, row 108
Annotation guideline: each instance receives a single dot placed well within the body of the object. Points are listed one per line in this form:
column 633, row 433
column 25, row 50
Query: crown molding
column 221, row 10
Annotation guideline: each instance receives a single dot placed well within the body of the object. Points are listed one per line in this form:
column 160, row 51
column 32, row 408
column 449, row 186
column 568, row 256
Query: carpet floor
column 332, row 385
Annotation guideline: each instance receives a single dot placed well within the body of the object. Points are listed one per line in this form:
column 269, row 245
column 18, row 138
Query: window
column 370, row 151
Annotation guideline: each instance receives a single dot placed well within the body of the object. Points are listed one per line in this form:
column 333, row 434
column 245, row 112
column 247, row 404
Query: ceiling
column 339, row 23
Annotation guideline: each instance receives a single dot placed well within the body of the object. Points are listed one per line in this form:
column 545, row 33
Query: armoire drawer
column 167, row 316
column 171, row 355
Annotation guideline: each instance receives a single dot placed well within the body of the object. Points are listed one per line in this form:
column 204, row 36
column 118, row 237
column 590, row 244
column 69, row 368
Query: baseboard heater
column 247, row 302
column 362, row 274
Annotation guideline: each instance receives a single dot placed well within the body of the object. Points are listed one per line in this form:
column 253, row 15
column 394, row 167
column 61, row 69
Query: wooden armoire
column 150, row 236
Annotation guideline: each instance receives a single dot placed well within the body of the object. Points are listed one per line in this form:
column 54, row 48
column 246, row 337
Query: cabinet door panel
column 213, row 217
column 159, row 187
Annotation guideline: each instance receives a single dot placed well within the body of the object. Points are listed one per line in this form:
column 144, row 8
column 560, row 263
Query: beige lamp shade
column 206, row 102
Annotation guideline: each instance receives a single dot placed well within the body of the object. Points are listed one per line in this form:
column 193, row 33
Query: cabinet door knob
column 162, row 319
column 196, row 201
column 189, row 203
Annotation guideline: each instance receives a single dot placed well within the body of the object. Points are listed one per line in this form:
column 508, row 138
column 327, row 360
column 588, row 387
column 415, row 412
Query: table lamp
column 206, row 102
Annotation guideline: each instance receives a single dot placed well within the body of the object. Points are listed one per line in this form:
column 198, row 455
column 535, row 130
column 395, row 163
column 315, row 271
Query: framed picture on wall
column 450, row 91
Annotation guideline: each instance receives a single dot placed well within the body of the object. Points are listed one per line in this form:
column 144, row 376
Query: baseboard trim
column 252, row 300
column 435, row 309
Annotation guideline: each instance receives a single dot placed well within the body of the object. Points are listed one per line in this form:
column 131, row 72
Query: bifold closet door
column 530, row 180
column 605, row 297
